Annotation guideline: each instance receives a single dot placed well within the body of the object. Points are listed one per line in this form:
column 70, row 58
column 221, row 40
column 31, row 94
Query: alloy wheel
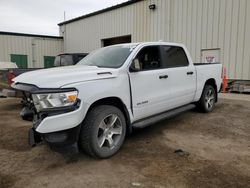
column 109, row 131
column 210, row 99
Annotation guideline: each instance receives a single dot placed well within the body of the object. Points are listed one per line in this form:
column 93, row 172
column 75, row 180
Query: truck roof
column 152, row 43
column 73, row 54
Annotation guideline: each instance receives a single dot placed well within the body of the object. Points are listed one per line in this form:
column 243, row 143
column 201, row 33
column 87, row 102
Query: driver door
column 150, row 86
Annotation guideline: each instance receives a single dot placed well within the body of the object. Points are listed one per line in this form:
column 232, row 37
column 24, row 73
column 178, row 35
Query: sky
column 42, row 16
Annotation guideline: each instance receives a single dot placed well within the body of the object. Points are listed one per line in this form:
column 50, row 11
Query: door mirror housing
column 135, row 66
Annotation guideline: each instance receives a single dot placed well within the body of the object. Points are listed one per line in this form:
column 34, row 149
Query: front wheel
column 103, row 131
column 207, row 100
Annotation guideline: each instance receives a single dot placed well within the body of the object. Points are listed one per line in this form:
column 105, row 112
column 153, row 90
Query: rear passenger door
column 181, row 75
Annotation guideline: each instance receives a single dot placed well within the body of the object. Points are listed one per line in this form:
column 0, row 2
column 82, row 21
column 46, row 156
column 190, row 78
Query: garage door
column 116, row 40
column 49, row 61
column 20, row 60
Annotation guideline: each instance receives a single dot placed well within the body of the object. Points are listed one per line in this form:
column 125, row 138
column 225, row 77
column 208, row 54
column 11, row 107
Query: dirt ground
column 218, row 146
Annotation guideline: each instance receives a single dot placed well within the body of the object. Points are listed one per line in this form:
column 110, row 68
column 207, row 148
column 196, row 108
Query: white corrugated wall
column 46, row 47
column 224, row 24
column 199, row 24
column 136, row 20
column 34, row 47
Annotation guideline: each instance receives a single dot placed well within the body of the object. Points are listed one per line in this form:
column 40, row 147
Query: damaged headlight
column 54, row 100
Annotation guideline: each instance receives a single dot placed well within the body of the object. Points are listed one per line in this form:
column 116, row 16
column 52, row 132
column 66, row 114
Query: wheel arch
column 212, row 83
column 117, row 102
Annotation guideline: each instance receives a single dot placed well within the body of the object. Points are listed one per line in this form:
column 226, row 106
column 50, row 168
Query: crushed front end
column 54, row 112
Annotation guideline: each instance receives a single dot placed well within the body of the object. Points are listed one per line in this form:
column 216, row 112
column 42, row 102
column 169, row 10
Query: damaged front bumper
column 65, row 137
column 57, row 126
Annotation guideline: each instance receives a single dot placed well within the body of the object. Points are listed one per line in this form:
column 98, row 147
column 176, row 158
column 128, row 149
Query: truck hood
column 60, row 76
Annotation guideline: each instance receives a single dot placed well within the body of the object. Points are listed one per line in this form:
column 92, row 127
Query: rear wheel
column 207, row 100
column 103, row 131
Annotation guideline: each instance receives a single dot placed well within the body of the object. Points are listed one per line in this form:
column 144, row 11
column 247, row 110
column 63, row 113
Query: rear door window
column 174, row 56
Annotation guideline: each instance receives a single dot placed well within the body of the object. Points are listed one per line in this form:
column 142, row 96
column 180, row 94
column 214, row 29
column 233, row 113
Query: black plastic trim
column 33, row 89
column 33, row 137
column 197, row 64
column 159, row 117
column 65, row 137
column 101, row 73
column 27, row 114
column 130, row 94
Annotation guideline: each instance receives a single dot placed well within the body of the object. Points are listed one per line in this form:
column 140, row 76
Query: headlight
column 54, row 100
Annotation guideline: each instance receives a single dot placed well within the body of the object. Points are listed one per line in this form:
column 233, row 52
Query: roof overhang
column 29, row 35
column 100, row 11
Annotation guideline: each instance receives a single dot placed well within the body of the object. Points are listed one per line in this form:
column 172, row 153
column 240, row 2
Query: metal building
column 213, row 30
column 28, row 50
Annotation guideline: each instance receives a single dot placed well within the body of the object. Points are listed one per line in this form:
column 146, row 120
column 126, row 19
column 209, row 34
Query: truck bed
column 205, row 71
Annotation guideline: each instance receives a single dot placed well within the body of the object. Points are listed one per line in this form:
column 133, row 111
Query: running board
column 154, row 119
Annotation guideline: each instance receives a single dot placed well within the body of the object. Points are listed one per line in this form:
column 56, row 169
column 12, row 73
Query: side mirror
column 135, row 66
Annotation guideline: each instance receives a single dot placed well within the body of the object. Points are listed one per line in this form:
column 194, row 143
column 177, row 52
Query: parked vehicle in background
column 7, row 65
column 113, row 90
column 9, row 70
column 68, row 59
column 6, row 76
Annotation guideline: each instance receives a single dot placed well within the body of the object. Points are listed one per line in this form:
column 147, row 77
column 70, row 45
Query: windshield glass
column 110, row 57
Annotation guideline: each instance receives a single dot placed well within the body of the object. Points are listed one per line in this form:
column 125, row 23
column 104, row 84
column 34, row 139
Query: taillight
column 10, row 76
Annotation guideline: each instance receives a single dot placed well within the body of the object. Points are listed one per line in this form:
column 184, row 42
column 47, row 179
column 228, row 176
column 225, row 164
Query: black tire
column 92, row 132
column 207, row 101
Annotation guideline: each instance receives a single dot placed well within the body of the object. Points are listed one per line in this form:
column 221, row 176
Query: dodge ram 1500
column 113, row 90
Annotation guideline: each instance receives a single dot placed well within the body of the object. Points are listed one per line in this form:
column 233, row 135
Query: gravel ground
column 216, row 145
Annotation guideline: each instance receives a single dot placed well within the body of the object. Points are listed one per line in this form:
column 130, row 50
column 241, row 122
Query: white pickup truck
column 113, row 90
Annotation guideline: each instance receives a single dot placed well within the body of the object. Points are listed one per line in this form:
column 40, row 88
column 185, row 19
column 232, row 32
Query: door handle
column 163, row 77
column 190, row 73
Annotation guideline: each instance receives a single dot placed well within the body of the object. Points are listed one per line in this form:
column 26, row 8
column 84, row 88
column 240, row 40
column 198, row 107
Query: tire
column 103, row 132
column 207, row 101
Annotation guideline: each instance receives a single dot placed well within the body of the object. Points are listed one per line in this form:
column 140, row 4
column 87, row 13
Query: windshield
column 110, row 57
